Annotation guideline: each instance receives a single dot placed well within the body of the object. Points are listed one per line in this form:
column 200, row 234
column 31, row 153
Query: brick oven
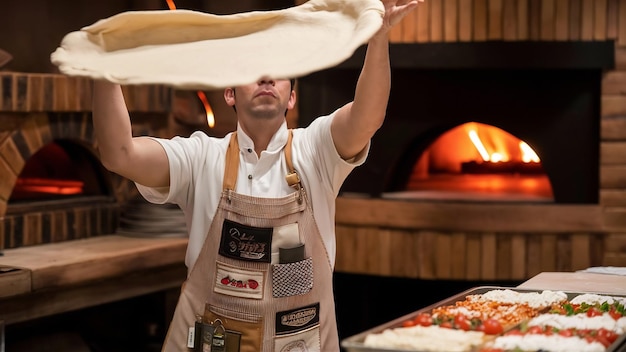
column 549, row 73
column 53, row 186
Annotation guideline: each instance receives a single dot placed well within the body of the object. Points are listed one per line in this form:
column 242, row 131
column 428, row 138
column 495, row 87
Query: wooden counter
column 66, row 276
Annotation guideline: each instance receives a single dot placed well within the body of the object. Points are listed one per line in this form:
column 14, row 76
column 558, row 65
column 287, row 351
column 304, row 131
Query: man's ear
column 229, row 96
column 292, row 100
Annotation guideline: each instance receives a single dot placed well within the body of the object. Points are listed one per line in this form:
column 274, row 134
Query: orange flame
column 473, row 135
column 210, row 118
column 501, row 152
column 528, row 154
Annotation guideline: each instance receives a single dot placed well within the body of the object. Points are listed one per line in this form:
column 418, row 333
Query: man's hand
column 395, row 10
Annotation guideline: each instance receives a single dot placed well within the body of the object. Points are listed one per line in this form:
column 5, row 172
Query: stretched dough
column 194, row 50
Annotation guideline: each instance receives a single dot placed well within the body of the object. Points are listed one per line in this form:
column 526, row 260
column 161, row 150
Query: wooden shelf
column 60, row 277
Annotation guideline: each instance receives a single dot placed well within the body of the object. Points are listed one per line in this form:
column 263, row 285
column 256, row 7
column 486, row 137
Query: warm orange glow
column 50, row 186
column 498, row 142
column 207, row 107
column 171, row 5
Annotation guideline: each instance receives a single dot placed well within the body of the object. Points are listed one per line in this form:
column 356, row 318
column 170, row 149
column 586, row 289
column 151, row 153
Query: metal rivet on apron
column 249, row 177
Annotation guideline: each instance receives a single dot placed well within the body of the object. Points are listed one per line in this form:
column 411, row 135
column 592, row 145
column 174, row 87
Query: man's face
column 266, row 98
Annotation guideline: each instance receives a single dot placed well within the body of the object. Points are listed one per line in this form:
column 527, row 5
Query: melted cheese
column 553, row 343
column 427, row 339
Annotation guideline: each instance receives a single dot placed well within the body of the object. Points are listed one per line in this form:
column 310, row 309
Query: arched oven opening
column 61, row 193
column 62, row 170
column 544, row 94
column 476, row 161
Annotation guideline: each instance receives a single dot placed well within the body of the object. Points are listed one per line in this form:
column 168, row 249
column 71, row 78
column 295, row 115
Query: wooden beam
column 451, row 21
column 548, row 19
column 465, row 20
column 96, row 258
column 423, row 22
column 407, row 214
column 60, row 300
column 480, row 20
column 561, row 25
column 495, row 20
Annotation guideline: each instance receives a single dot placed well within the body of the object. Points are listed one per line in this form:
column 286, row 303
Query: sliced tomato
column 535, row 330
column 492, row 327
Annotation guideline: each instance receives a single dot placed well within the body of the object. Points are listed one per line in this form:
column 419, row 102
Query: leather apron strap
column 232, row 164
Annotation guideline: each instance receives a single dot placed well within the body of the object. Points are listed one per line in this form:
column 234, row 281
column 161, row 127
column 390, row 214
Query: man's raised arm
column 356, row 122
column 139, row 159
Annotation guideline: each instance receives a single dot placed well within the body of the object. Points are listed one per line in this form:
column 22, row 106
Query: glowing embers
column 479, row 161
column 58, row 170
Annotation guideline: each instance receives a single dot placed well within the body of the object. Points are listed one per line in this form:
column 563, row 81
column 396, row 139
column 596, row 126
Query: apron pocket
column 244, row 331
column 292, row 279
column 307, row 340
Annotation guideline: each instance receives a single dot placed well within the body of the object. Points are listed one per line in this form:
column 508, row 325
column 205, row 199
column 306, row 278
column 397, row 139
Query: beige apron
column 266, row 306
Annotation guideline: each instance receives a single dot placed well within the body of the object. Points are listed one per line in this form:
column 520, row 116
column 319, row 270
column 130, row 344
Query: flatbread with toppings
column 504, row 320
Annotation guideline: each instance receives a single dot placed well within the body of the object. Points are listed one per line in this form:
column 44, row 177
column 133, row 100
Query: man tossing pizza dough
column 260, row 202
column 194, row 50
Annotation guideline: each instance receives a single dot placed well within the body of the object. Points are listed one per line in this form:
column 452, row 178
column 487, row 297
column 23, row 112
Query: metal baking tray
column 356, row 343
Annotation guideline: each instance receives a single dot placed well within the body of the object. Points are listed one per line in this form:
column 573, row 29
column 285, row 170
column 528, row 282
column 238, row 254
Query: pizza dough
column 194, row 50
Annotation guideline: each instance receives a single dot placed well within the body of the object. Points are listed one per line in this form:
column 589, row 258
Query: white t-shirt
column 197, row 170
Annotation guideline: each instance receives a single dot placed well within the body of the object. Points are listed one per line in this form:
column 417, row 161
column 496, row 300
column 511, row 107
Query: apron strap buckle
column 293, row 180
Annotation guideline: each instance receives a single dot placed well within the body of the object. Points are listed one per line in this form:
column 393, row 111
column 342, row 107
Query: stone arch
column 34, row 131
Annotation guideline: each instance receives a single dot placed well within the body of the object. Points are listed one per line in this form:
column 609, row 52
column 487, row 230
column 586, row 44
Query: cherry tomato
column 446, row 324
column 424, row 319
column 514, row 332
column 462, row 322
column 603, row 340
column 535, row 330
column 614, row 313
column 408, row 323
column 492, row 327
column 566, row 333
column 609, row 335
column 593, row 312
